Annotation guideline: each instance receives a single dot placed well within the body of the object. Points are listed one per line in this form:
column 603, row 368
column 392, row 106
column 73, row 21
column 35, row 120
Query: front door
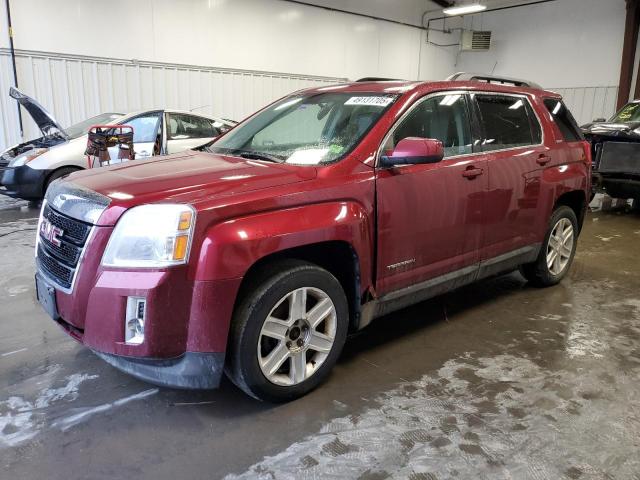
column 430, row 215
column 147, row 133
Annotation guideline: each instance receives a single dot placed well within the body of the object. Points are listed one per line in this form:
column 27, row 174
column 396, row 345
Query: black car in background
column 615, row 145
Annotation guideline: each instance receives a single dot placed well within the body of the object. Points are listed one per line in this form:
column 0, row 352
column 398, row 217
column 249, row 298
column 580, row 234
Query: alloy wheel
column 297, row 336
column 560, row 246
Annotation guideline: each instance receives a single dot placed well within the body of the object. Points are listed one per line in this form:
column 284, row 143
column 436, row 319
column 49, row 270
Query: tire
column 264, row 359
column 539, row 273
column 56, row 174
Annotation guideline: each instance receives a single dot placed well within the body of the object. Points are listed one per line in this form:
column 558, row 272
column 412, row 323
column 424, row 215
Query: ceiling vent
column 476, row 41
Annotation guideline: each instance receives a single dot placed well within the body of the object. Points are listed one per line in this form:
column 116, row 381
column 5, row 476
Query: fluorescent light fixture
column 464, row 9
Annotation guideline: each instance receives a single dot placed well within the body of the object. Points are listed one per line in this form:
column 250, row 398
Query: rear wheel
column 287, row 332
column 557, row 252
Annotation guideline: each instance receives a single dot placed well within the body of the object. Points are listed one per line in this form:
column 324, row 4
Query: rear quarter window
column 508, row 122
column 564, row 120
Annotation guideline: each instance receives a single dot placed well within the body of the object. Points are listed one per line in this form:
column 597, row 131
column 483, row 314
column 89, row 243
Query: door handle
column 543, row 159
column 472, row 172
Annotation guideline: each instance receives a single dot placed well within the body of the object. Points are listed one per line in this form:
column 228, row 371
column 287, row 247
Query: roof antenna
column 198, row 108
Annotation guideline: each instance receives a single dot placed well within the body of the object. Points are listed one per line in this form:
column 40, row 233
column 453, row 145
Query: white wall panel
column 73, row 88
column 566, row 43
column 269, row 35
column 589, row 103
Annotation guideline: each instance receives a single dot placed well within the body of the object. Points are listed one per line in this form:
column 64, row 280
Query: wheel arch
column 336, row 256
column 335, row 236
column 577, row 201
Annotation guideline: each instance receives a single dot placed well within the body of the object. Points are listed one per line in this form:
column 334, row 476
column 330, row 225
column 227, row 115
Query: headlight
column 151, row 236
column 26, row 157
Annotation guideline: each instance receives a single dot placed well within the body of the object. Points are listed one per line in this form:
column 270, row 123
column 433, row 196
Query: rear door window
column 508, row 122
column 443, row 117
column 564, row 120
column 182, row 127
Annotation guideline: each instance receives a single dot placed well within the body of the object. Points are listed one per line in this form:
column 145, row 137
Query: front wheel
column 287, row 332
column 557, row 252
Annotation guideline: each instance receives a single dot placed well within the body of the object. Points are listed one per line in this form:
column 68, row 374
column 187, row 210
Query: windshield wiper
column 260, row 156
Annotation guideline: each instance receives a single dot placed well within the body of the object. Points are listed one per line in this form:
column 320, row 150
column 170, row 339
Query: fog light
column 134, row 320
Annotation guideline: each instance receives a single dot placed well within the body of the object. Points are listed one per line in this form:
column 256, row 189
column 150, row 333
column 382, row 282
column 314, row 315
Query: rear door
column 512, row 139
column 429, row 215
column 185, row 131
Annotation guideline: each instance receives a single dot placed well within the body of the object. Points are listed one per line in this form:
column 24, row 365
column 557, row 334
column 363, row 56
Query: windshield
column 81, row 128
column 306, row 130
column 629, row 113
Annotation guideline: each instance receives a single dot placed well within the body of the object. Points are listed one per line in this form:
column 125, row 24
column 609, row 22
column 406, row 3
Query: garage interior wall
column 231, row 57
column 570, row 46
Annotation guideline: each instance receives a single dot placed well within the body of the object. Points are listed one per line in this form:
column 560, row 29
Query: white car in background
column 27, row 169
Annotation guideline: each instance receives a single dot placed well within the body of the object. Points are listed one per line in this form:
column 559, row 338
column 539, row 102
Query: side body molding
column 230, row 248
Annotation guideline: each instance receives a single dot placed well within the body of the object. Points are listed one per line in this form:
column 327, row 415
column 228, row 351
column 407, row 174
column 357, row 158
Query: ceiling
column 489, row 3
column 407, row 11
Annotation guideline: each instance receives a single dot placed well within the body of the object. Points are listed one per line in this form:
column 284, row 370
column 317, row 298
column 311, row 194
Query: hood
column 185, row 178
column 629, row 130
column 46, row 123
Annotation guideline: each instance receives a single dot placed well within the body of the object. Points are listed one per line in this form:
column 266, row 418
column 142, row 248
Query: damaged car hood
column 629, row 130
column 45, row 121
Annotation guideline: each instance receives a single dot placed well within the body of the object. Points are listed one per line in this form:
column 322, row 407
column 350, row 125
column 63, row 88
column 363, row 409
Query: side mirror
column 413, row 151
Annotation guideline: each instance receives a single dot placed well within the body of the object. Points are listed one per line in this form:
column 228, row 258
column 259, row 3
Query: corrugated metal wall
column 589, row 103
column 74, row 88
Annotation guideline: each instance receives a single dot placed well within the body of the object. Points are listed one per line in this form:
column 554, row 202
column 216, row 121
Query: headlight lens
column 26, row 157
column 151, row 236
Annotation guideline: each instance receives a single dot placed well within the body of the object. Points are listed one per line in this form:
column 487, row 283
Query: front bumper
column 186, row 324
column 192, row 370
column 623, row 186
column 23, row 182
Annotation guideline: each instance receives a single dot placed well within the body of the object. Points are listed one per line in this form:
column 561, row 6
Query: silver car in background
column 27, row 169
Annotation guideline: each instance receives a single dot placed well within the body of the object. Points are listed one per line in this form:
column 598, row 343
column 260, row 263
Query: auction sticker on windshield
column 373, row 101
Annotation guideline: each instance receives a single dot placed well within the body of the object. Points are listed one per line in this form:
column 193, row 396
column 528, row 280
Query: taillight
column 586, row 146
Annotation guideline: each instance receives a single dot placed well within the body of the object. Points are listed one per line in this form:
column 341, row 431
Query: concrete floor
column 498, row 380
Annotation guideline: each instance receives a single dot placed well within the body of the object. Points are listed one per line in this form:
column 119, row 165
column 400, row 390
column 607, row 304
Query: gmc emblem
column 50, row 232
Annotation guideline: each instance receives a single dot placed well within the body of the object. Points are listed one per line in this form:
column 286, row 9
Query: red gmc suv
column 324, row 210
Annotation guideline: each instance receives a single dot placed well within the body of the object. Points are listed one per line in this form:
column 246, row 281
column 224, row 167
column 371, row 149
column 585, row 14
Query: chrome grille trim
column 45, row 265
column 76, row 201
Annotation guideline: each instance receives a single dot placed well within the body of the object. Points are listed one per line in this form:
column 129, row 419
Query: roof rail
column 480, row 77
column 378, row 79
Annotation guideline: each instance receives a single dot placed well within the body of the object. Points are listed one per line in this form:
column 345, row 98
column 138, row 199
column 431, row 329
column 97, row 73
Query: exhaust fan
column 475, row 41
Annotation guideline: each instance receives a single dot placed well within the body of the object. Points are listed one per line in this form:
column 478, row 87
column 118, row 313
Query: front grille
column 74, row 230
column 59, row 262
column 54, row 269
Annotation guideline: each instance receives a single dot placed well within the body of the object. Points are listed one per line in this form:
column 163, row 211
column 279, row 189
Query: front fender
column 230, row 248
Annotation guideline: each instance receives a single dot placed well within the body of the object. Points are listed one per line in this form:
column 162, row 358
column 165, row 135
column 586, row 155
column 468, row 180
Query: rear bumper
column 617, row 187
column 23, row 182
column 192, row 370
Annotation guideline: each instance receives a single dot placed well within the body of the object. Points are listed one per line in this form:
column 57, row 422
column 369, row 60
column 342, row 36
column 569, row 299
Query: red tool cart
column 101, row 138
